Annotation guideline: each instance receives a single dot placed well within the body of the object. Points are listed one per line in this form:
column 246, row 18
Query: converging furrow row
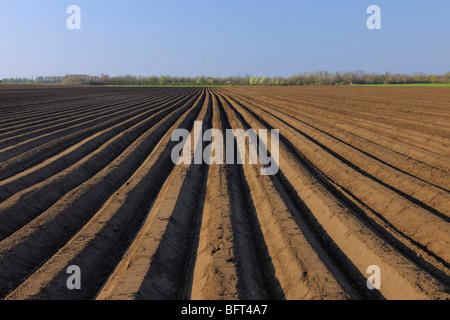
column 88, row 179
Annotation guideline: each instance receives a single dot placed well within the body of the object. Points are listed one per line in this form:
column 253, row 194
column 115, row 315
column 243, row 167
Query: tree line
column 315, row 78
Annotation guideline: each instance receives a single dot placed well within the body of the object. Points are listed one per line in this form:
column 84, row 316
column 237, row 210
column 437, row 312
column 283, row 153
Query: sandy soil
column 86, row 179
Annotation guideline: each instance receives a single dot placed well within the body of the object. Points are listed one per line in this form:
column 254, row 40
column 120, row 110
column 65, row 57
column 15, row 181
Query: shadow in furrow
column 254, row 262
column 170, row 275
column 362, row 216
column 336, row 261
column 32, row 252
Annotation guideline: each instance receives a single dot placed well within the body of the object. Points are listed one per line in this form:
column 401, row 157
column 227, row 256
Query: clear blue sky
column 222, row 37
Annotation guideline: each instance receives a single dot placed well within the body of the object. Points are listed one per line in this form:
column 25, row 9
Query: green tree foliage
column 162, row 80
column 316, row 78
column 254, row 81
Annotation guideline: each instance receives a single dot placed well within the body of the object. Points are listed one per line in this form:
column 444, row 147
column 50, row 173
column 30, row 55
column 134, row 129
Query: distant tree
column 162, row 80
column 76, row 80
column 199, row 81
column 317, row 78
column 265, row 81
column 254, row 81
column 388, row 78
column 152, row 80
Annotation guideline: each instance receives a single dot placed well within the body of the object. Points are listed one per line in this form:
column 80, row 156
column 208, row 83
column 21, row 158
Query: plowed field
column 86, row 179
